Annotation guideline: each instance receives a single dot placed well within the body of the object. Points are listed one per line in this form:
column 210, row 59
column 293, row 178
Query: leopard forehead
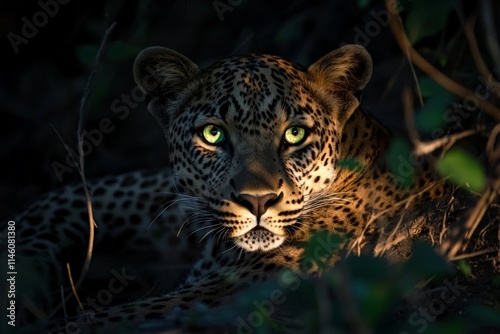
column 255, row 76
column 255, row 96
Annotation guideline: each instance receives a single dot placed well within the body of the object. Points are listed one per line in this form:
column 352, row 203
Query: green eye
column 295, row 135
column 213, row 135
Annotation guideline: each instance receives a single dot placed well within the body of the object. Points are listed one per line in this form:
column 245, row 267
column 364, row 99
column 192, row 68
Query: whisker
column 227, row 250
column 201, row 228
column 316, row 201
column 241, row 252
column 158, row 215
column 220, row 233
column 186, row 201
column 212, row 230
column 226, row 235
column 194, row 220
column 182, row 226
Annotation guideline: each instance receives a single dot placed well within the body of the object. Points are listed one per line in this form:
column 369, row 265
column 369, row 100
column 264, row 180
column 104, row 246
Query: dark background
column 42, row 84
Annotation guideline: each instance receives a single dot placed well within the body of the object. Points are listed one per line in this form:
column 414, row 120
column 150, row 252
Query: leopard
column 263, row 153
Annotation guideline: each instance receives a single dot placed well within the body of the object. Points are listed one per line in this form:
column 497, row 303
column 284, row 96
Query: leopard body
column 263, row 153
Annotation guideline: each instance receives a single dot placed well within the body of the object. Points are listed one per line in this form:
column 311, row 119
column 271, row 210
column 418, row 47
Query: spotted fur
column 253, row 198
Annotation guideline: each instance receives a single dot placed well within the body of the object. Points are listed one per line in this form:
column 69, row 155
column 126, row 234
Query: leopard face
column 253, row 140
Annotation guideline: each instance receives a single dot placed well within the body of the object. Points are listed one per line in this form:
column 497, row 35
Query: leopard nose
column 257, row 205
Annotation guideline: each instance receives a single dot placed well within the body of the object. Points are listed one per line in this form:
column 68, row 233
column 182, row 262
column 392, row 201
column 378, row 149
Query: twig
column 392, row 81
column 474, row 254
column 493, row 154
column 445, row 218
column 409, row 120
column 476, row 54
column 81, row 134
column 35, row 310
column 66, row 148
column 80, row 166
column 428, row 147
column 421, row 147
column 73, row 288
column 430, row 70
column 86, row 89
column 357, row 243
column 391, row 239
column 460, row 235
column 413, row 72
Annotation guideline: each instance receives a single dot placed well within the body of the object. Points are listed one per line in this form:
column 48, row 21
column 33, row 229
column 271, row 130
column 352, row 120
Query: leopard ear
column 161, row 72
column 347, row 68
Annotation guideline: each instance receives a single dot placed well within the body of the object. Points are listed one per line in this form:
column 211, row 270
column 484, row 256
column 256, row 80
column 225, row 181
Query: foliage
column 426, row 17
column 398, row 159
column 359, row 291
column 351, row 164
column 465, row 268
column 463, row 169
column 430, row 116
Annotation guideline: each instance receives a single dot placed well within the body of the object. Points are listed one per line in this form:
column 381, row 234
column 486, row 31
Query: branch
column 460, row 235
column 80, row 166
column 451, row 85
column 476, row 54
column 492, row 152
column 421, row 147
column 81, row 170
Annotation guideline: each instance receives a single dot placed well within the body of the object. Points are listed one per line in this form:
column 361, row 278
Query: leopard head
column 255, row 138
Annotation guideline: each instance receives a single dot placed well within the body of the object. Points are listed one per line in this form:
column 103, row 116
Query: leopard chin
column 259, row 239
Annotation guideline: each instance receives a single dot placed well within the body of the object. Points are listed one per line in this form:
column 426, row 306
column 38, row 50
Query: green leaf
column 351, row 164
column 320, row 248
column 429, row 87
column 374, row 301
column 430, row 116
column 462, row 169
column 443, row 60
column 372, row 280
column 425, row 262
column 398, row 159
column 426, row 18
column 465, row 268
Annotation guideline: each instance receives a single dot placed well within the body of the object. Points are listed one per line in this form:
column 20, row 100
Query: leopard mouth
column 259, row 229
column 259, row 238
